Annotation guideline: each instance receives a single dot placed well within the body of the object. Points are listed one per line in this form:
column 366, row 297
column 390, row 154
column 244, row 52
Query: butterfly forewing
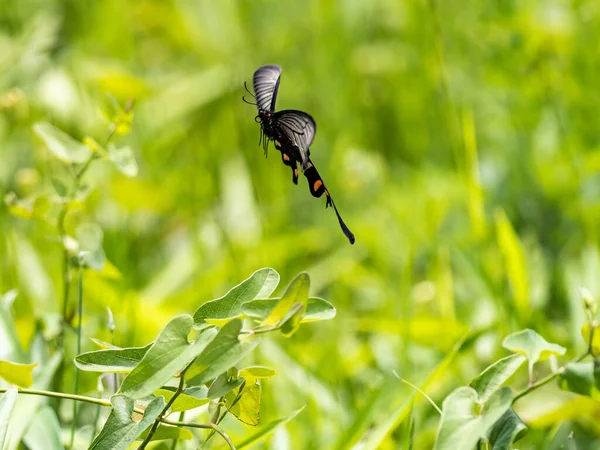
column 266, row 84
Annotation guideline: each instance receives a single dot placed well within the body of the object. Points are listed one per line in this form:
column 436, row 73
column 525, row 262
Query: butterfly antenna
column 343, row 226
column 246, row 101
column 248, row 91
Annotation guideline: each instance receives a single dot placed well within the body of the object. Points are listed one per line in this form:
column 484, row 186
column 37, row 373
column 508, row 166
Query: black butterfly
column 291, row 131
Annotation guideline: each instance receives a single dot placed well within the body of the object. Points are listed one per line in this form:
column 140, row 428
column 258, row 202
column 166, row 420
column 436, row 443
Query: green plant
column 481, row 414
column 191, row 364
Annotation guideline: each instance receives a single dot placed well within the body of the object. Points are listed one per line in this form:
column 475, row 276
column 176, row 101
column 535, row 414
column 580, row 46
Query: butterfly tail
column 343, row 226
column 317, row 189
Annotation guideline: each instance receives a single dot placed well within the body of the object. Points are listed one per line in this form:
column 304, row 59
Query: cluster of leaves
column 199, row 353
column 482, row 412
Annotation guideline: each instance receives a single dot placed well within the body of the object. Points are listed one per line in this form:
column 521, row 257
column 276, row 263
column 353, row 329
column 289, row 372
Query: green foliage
column 460, row 145
column 465, row 419
column 17, row 374
column 120, row 430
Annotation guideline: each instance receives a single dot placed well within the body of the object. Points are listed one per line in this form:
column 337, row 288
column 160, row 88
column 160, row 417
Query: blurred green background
column 460, row 140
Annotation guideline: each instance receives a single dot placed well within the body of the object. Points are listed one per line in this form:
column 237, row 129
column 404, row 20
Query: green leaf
column 508, row 429
column 167, row 432
column 120, row 430
column 490, row 380
column 247, row 407
column 527, row 342
column 17, row 374
column 262, row 282
column 183, row 402
column 265, row 431
column 251, row 374
column 464, row 421
column 90, row 237
column 123, row 159
column 7, row 404
column 44, row 431
column 122, row 360
column 224, row 352
column 578, row 377
column 61, row 144
column 317, row 309
column 165, row 358
column 222, row 385
column 295, row 294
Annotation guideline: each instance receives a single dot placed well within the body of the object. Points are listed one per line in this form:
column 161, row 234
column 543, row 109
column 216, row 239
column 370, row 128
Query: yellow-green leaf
column 17, row 374
column 296, row 293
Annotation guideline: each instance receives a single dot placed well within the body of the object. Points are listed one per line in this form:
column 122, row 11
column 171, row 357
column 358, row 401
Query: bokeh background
column 460, row 140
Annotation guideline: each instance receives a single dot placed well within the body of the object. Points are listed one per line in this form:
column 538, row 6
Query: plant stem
column 102, row 402
column 76, row 386
column 181, row 416
column 535, row 385
column 166, row 408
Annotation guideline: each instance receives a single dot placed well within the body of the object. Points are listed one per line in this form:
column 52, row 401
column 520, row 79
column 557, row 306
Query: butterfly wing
column 299, row 129
column 266, row 85
column 288, row 158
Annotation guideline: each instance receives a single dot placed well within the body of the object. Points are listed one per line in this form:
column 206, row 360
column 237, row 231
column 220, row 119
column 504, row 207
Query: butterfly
column 292, row 133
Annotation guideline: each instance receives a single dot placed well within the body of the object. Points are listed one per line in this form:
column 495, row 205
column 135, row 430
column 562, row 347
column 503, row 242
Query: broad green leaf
column 262, row 282
column 247, row 407
column 123, row 159
column 291, row 322
column 224, row 352
column 167, row 432
column 17, row 374
column 533, row 346
column 464, row 421
column 585, row 332
column 508, row 429
column 7, row 404
column 222, row 385
column 121, row 360
column 120, row 430
column 317, row 309
column 165, row 358
column 295, row 294
column 514, row 262
column 251, row 374
column 578, row 377
column 61, row 144
column 183, row 402
column 90, row 236
column 373, row 437
column 44, row 431
column 490, row 380
column 265, row 431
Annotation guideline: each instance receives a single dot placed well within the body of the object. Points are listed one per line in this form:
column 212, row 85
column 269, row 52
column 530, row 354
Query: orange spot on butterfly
column 317, row 185
column 277, row 144
column 296, row 173
column 309, row 165
column 286, row 157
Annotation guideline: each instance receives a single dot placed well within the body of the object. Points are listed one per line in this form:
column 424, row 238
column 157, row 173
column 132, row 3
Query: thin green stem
column 166, row 408
column 79, row 324
column 102, row 402
column 175, row 441
column 547, row 379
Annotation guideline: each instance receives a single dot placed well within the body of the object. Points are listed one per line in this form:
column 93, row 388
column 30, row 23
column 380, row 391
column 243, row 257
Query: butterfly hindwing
column 299, row 129
column 287, row 156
